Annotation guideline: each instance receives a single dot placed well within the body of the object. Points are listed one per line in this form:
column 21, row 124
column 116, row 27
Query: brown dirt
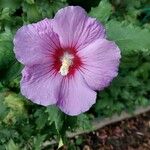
column 130, row 134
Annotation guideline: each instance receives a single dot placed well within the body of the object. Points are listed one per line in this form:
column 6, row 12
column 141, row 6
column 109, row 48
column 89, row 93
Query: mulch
column 130, row 134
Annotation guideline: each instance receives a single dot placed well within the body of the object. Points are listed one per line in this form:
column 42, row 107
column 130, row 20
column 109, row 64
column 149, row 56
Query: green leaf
column 13, row 4
column 9, row 66
column 102, row 12
column 41, row 118
column 128, row 37
column 3, row 107
column 12, row 146
column 30, row 1
column 79, row 140
column 38, row 140
column 6, row 36
column 49, row 8
column 13, row 72
column 142, row 101
column 83, row 122
column 32, row 12
column 5, row 14
column 6, row 54
column 6, row 49
column 55, row 116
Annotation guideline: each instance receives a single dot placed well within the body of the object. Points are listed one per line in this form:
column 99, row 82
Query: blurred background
column 27, row 126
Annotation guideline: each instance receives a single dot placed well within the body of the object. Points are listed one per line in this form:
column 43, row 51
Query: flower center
column 67, row 61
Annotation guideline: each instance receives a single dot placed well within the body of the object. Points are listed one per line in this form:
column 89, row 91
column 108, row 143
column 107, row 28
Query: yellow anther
column 66, row 63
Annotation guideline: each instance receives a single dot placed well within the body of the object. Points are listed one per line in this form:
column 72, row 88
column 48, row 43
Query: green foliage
column 102, row 12
column 24, row 125
column 6, row 46
column 3, row 108
column 37, row 141
column 11, row 145
column 130, row 89
column 83, row 122
column 35, row 11
column 127, row 36
column 55, row 116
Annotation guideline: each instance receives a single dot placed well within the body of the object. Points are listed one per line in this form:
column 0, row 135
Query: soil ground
column 130, row 134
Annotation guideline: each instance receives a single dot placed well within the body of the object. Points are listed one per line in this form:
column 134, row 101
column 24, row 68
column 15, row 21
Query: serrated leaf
column 38, row 140
column 12, row 146
column 55, row 116
column 6, row 36
column 128, row 37
column 6, row 49
column 5, row 14
column 49, row 8
column 102, row 12
column 41, row 118
column 6, row 54
column 9, row 66
column 83, row 122
column 32, row 12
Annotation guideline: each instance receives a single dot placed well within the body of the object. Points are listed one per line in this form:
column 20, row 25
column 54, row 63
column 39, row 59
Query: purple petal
column 101, row 61
column 75, row 96
column 75, row 28
column 34, row 43
column 40, row 84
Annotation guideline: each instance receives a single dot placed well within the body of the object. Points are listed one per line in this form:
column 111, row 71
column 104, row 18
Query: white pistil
column 66, row 63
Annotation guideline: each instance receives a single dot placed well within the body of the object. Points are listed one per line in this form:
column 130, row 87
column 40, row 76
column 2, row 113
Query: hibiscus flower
column 67, row 59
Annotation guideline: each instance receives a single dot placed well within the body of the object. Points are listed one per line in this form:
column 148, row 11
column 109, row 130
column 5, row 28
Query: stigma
column 67, row 61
